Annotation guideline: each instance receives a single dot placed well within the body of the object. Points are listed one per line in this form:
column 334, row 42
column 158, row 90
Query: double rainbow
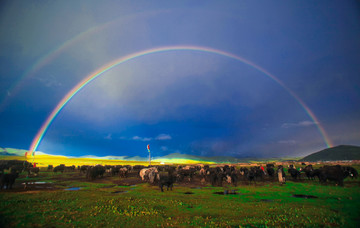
column 57, row 51
column 39, row 136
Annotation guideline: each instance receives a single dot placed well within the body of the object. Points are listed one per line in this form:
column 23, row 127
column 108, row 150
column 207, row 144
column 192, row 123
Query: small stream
column 72, row 189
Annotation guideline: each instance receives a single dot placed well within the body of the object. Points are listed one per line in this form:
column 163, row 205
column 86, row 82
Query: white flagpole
column 149, row 158
column 148, row 147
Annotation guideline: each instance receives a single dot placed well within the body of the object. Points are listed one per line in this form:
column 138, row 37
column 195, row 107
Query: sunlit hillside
column 43, row 160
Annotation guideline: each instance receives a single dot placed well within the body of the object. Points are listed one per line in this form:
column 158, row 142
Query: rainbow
column 43, row 61
column 57, row 51
column 39, row 136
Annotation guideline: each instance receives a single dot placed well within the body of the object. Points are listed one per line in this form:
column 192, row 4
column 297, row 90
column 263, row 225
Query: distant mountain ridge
column 217, row 159
column 3, row 153
column 337, row 153
column 12, row 152
column 167, row 158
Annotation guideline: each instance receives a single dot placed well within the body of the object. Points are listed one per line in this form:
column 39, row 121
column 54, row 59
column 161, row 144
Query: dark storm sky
column 180, row 101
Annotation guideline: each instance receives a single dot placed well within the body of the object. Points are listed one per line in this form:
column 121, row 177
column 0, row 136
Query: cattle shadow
column 266, row 200
column 305, row 196
column 226, row 192
column 119, row 192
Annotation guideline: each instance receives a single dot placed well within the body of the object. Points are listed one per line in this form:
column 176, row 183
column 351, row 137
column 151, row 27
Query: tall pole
column 148, row 147
column 33, row 154
column 149, row 158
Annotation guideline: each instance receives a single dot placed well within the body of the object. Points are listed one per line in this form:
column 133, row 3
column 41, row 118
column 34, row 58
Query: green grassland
column 105, row 204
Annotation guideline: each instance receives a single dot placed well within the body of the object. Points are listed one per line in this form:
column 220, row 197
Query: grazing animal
column 8, row 179
column 315, row 173
column 216, row 176
column 153, row 176
column 219, row 178
column 18, row 168
column 33, row 170
column 294, row 173
column 270, row 171
column 352, row 171
column 308, row 170
column 234, row 178
column 333, row 173
column 244, row 171
column 251, row 175
column 259, row 173
column 167, row 181
column 148, row 174
column 137, row 168
column 2, row 167
column 202, row 172
column 228, row 179
column 69, row 168
column 213, row 179
column 142, row 173
column 59, row 168
column 123, row 172
column 212, row 175
column 115, row 170
column 188, row 172
column 108, row 169
column 170, row 169
column 14, row 165
column 95, row 171
column 84, row 168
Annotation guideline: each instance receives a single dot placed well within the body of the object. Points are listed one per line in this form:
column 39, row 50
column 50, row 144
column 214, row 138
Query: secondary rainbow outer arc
column 55, row 52
column 36, row 141
column 43, row 61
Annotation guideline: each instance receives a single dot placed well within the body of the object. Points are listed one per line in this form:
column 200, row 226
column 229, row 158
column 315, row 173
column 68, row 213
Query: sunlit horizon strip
column 36, row 141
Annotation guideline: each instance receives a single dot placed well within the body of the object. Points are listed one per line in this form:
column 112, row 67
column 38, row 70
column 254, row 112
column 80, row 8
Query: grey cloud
column 163, row 137
column 145, row 139
column 304, row 123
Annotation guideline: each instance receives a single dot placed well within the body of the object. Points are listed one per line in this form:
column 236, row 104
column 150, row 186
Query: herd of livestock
column 166, row 175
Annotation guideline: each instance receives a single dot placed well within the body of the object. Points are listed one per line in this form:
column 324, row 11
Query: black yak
column 167, row 181
column 8, row 179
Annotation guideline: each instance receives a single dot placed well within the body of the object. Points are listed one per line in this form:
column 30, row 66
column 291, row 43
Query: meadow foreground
column 70, row 200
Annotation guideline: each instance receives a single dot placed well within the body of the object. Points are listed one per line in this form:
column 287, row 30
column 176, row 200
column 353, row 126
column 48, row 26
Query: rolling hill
column 337, row 153
column 170, row 158
column 12, row 152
